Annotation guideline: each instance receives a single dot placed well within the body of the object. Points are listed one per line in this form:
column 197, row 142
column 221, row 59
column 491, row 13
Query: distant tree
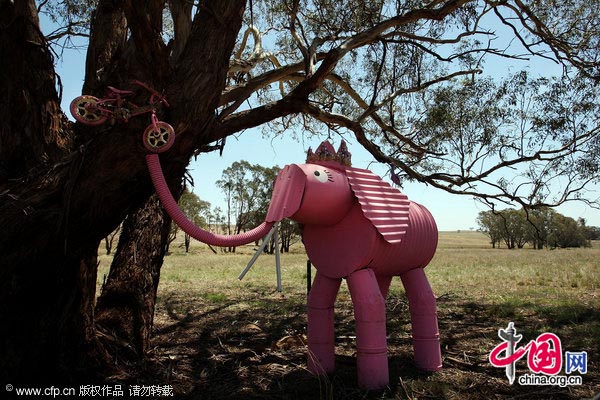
column 195, row 209
column 490, row 224
column 515, row 228
column 289, row 233
column 565, row 232
column 232, row 184
column 592, row 233
column 589, row 232
column 216, row 219
column 538, row 226
column 247, row 190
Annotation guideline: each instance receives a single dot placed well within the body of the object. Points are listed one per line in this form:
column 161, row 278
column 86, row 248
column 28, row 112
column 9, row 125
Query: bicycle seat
column 119, row 91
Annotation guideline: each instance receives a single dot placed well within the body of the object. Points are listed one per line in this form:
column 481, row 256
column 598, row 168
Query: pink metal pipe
column 170, row 205
column 321, row 346
column 423, row 315
column 369, row 317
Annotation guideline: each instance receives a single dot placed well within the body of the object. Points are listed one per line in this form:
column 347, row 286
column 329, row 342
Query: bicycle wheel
column 85, row 110
column 159, row 139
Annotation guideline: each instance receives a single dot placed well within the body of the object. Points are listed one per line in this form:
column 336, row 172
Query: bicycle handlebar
column 155, row 95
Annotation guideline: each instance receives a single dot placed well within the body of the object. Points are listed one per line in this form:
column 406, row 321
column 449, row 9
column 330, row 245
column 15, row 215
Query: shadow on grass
column 231, row 349
column 577, row 325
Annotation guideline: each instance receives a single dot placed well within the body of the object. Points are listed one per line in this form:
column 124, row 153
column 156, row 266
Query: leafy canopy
column 407, row 80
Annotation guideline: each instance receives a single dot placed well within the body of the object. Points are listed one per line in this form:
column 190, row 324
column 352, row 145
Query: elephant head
column 323, row 191
column 310, row 194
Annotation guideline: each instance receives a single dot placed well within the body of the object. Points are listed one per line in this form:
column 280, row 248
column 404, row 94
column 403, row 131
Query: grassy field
column 220, row 338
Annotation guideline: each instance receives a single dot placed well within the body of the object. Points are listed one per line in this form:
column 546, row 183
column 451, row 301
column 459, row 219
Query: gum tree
column 372, row 71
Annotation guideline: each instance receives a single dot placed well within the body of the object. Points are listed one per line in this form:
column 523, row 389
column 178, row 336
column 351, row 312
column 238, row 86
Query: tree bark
column 125, row 308
column 108, row 33
column 187, row 239
column 33, row 131
column 63, row 188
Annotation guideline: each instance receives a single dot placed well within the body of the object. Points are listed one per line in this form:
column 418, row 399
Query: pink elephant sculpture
column 357, row 227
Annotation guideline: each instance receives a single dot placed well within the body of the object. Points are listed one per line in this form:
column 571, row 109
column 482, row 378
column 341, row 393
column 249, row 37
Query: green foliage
column 72, row 17
column 68, row 11
column 403, row 77
column 539, row 228
column 247, row 189
column 591, row 232
column 565, row 232
column 547, row 125
column 194, row 208
column 197, row 211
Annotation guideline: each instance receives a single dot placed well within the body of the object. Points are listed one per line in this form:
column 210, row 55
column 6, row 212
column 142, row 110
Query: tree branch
column 108, row 33
column 181, row 12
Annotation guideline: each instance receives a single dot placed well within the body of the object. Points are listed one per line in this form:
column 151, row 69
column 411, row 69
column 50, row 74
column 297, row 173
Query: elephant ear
column 386, row 207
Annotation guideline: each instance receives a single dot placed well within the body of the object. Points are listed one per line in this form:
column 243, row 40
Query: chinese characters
column 544, row 354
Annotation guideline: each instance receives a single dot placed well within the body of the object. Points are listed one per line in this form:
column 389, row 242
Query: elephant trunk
column 170, row 205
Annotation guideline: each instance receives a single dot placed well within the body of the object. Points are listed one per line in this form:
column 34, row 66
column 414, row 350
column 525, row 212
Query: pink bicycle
column 116, row 106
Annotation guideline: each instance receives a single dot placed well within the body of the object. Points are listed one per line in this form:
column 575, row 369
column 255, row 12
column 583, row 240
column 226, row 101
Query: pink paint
column 423, row 318
column 321, row 347
column 287, row 193
column 327, row 197
column 369, row 318
column 383, row 205
column 357, row 227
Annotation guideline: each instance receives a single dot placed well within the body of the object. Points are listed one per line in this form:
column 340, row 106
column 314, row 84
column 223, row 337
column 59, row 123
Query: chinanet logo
column 544, row 359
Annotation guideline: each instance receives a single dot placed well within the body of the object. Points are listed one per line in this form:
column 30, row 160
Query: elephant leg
column 321, row 345
column 369, row 317
column 384, row 284
column 423, row 315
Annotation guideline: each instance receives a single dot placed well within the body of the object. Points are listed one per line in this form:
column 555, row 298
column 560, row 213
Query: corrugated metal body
column 416, row 249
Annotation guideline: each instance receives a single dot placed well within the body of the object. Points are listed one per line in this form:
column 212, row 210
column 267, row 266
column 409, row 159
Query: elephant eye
column 323, row 176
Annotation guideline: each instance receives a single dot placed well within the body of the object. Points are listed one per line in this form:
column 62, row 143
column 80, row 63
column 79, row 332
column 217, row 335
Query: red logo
column 544, row 354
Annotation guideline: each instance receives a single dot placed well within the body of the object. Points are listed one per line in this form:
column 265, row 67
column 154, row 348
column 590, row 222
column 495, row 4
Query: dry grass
column 219, row 338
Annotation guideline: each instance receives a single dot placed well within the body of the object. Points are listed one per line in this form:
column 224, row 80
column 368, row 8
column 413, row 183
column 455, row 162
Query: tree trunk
column 125, row 308
column 186, row 241
column 172, row 236
column 47, row 287
column 64, row 187
column 33, row 131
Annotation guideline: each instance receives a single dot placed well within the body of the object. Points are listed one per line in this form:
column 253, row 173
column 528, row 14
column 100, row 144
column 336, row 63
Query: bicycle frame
column 116, row 106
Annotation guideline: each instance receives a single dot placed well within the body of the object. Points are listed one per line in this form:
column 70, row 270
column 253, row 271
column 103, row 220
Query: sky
column 451, row 212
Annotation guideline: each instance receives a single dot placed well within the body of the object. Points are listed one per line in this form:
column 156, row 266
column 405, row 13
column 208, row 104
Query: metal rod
column 308, row 277
column 259, row 251
column 277, row 260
